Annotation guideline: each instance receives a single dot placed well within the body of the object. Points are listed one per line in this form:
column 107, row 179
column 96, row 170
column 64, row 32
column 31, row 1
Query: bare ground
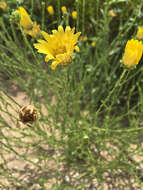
column 21, row 163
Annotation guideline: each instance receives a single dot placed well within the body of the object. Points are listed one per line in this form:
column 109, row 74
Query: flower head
column 112, row 13
column 25, row 20
column 74, row 15
column 50, row 9
column 93, row 44
column 35, row 31
column 28, row 114
column 58, row 46
column 64, row 9
column 139, row 34
column 3, row 5
column 133, row 53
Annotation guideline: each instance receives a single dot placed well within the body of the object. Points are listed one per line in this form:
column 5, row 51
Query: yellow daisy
column 58, row 46
column 133, row 53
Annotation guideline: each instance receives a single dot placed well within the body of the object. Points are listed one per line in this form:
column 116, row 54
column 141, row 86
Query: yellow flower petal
column 48, row 58
column 60, row 29
column 29, row 32
column 68, row 28
column 76, row 37
column 43, row 47
column 35, row 32
column 25, row 20
column 45, row 35
column 77, row 48
column 54, row 31
column 54, row 65
column 73, row 30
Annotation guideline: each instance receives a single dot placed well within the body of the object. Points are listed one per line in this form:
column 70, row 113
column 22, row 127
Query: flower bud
column 64, row 9
column 74, row 15
column 133, row 53
column 50, row 10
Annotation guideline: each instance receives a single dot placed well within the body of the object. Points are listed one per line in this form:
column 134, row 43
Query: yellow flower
column 133, row 53
column 50, row 9
column 25, row 20
column 58, row 46
column 93, row 44
column 35, row 31
column 64, row 9
column 112, row 13
column 74, row 15
column 30, row 28
column 3, row 5
column 140, row 33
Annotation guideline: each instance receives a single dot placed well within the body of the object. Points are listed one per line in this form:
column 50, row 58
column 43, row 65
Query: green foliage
column 89, row 131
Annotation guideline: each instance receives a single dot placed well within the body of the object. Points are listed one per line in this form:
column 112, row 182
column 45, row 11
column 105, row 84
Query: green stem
column 118, row 83
column 2, row 25
column 28, row 44
column 32, row 7
column 13, row 32
column 77, row 20
column 83, row 16
column 59, row 12
column 66, row 18
column 43, row 15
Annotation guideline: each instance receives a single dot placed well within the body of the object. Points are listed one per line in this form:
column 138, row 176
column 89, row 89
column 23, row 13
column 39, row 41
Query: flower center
column 59, row 50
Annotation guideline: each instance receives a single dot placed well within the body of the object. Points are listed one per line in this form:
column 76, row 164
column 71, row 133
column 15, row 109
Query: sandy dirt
column 21, row 161
column 19, row 157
